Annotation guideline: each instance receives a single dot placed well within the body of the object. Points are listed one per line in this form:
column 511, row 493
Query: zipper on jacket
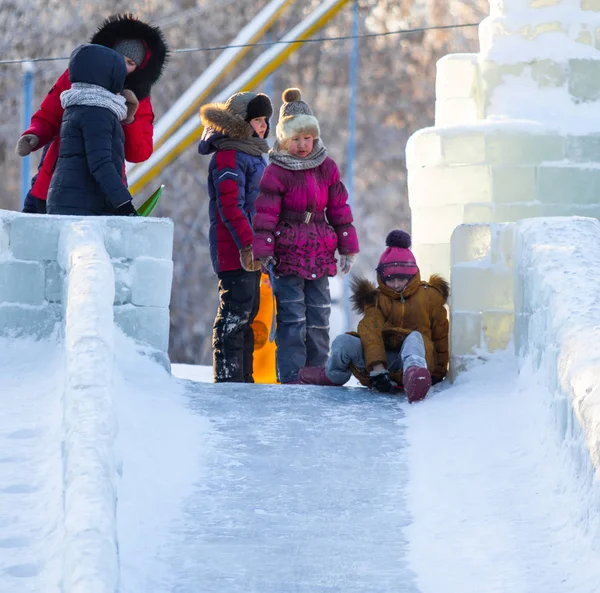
column 402, row 301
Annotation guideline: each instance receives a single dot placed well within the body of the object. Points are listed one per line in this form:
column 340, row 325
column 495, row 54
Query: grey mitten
column 132, row 103
column 346, row 262
column 26, row 144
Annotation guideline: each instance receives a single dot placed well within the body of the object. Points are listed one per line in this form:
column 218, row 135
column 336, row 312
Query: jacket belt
column 304, row 217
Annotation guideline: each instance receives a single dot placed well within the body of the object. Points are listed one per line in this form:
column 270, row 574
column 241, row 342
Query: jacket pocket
column 330, row 238
column 285, row 235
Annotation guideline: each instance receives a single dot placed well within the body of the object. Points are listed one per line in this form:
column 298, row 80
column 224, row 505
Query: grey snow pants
column 347, row 350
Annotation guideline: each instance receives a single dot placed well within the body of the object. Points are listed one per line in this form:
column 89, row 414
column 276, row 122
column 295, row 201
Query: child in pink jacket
column 302, row 217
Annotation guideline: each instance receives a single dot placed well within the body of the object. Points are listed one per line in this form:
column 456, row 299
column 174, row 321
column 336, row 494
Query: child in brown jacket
column 403, row 335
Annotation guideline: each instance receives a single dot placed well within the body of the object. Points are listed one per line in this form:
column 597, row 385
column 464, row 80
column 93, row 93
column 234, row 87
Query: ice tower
column 517, row 126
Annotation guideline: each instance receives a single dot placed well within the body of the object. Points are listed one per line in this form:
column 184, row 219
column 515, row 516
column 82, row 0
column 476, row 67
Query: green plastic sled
column 146, row 208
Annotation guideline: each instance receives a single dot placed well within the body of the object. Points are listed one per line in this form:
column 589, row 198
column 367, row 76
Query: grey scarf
column 287, row 161
column 82, row 93
column 253, row 146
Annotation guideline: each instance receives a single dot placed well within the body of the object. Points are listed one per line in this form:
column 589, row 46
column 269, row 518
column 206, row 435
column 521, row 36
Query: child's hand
column 346, row 262
column 247, row 259
column 267, row 261
column 26, row 144
column 132, row 103
column 127, row 209
column 380, row 381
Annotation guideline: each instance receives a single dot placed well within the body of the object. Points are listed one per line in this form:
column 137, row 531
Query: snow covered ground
column 256, row 488
column 31, row 484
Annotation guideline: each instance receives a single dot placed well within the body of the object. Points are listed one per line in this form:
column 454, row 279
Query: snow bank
column 91, row 555
column 536, row 291
column 557, row 322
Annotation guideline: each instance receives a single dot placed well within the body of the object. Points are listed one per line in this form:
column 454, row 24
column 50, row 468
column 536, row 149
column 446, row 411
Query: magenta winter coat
column 288, row 198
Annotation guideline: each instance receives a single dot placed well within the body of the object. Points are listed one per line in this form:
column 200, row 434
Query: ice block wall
column 517, row 126
column 32, row 280
column 482, row 301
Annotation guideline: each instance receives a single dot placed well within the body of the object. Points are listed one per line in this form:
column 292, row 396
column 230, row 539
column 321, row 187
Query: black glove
column 127, row 209
column 380, row 381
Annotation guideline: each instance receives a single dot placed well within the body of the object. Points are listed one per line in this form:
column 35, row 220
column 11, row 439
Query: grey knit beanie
column 131, row 48
column 249, row 105
column 296, row 117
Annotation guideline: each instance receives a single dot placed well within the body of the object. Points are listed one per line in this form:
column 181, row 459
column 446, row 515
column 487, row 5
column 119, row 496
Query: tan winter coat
column 389, row 316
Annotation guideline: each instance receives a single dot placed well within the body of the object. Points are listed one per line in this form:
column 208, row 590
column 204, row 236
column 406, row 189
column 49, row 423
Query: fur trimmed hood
column 365, row 292
column 125, row 26
column 217, row 117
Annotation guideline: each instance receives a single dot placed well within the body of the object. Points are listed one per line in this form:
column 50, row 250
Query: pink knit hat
column 397, row 259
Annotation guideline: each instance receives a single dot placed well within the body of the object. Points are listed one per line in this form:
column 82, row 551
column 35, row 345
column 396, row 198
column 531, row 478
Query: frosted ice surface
column 474, row 213
column 123, row 281
column 151, row 285
column 132, row 237
column 148, row 325
column 524, row 149
column 465, row 331
column 4, row 236
column 456, row 76
column 423, row 149
column 435, row 225
column 306, row 493
column 35, row 236
column 470, row 242
column 464, row 148
column 497, row 329
column 574, row 185
column 503, row 238
column 549, row 73
column 513, row 183
column 584, row 79
column 55, row 278
column 449, row 112
column 478, row 288
column 22, row 282
column 23, row 320
column 443, row 186
column 433, row 259
column 583, row 148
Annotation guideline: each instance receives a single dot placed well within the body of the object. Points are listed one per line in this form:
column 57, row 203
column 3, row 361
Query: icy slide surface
column 336, row 490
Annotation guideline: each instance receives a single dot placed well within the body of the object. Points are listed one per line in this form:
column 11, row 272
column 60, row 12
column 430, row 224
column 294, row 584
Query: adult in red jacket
column 145, row 52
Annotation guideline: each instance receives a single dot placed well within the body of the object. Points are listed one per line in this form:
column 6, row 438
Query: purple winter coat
column 303, row 249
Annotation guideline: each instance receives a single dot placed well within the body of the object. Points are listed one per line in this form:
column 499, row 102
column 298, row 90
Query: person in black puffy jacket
column 88, row 179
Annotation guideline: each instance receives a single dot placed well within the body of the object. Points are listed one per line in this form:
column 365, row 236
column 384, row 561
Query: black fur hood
column 126, row 26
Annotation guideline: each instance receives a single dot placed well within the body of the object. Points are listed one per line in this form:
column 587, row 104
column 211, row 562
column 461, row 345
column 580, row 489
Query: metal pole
column 28, row 70
column 351, row 140
column 269, row 80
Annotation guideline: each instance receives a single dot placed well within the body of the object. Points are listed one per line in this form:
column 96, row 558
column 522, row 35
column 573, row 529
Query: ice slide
column 119, row 478
column 175, row 137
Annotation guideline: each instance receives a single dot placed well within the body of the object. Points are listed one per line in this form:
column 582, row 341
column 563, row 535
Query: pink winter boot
column 314, row 376
column 417, row 382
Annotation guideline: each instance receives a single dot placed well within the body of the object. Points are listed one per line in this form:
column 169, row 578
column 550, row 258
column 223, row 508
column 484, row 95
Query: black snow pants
column 233, row 340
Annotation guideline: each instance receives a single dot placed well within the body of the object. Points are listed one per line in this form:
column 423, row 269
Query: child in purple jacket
column 302, row 217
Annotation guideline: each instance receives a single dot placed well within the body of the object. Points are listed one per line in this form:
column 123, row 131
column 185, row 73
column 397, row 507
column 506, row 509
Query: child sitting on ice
column 302, row 217
column 403, row 335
